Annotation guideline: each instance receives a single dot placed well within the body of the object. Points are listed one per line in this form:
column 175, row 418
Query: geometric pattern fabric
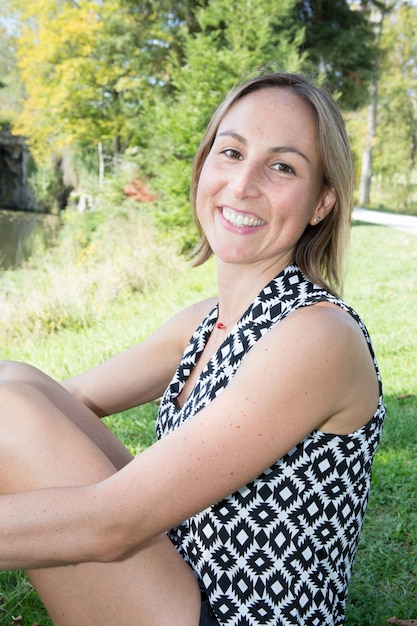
column 279, row 551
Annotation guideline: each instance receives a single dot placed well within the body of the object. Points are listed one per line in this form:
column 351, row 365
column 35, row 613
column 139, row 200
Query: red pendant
column 220, row 325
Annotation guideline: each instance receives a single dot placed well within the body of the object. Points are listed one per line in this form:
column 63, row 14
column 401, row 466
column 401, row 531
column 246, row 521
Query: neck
column 238, row 286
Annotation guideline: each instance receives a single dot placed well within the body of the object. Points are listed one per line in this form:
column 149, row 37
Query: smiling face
column 261, row 183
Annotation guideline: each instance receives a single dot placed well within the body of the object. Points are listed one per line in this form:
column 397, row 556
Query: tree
column 380, row 10
column 145, row 75
column 377, row 18
column 11, row 88
column 396, row 143
column 340, row 45
column 233, row 39
column 88, row 66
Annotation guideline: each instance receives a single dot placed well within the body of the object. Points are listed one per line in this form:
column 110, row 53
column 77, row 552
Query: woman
column 249, row 507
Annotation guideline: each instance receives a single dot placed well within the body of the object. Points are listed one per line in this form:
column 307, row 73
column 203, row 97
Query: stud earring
column 316, row 220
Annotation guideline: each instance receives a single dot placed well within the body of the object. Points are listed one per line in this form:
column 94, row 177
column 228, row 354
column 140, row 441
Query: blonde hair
column 320, row 251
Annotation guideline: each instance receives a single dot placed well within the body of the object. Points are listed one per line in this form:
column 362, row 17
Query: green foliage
column 100, row 258
column 11, row 87
column 146, row 76
column 396, row 148
column 332, row 35
column 46, row 182
column 394, row 175
column 88, row 67
column 234, row 40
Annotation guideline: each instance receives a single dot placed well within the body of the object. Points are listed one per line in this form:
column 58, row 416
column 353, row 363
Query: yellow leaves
column 56, row 49
column 49, row 41
column 87, row 66
column 125, row 83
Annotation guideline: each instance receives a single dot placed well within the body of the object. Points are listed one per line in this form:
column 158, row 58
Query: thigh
column 153, row 587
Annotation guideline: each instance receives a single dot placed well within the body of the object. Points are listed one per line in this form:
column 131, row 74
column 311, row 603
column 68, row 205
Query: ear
column 325, row 205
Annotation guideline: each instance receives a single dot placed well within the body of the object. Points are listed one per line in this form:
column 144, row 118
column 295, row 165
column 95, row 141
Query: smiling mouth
column 239, row 219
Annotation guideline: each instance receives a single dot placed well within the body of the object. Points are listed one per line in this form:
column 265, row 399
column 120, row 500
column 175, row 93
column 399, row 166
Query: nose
column 246, row 180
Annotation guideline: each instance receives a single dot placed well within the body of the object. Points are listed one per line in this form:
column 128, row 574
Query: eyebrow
column 275, row 150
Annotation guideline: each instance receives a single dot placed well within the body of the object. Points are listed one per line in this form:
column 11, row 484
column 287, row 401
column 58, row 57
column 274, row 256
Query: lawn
column 381, row 285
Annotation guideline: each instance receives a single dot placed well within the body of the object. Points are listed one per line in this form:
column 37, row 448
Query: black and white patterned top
column 279, row 551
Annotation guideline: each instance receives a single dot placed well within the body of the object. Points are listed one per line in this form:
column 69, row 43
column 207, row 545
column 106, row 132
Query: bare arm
column 311, row 371
column 142, row 373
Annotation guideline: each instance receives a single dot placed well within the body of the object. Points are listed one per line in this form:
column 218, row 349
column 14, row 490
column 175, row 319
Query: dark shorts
column 206, row 617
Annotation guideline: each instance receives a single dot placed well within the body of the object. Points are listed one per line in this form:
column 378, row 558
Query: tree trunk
column 378, row 12
column 366, row 170
column 100, row 165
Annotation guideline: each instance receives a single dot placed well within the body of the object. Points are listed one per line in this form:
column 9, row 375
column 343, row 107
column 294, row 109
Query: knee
column 11, row 392
column 6, row 369
column 18, row 397
column 17, row 371
column 14, row 370
column 19, row 394
column 13, row 411
column 24, row 414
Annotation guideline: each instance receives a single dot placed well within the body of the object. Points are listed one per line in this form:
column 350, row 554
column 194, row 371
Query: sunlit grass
column 382, row 286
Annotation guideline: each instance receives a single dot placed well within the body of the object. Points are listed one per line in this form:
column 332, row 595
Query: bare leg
column 153, row 587
column 86, row 420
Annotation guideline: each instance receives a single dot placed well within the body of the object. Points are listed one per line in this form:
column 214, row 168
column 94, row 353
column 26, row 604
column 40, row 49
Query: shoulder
column 320, row 334
column 324, row 319
column 320, row 352
column 184, row 323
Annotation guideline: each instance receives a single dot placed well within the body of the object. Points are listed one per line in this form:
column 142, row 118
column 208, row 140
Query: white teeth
column 238, row 219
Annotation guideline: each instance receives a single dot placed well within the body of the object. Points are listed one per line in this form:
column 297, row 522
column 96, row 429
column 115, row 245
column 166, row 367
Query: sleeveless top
column 279, row 551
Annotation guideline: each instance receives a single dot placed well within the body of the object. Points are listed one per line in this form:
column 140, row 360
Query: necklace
column 222, row 326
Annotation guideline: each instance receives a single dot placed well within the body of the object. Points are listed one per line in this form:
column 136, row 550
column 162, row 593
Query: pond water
column 22, row 234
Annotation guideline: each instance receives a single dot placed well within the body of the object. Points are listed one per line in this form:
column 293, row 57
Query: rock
column 15, row 192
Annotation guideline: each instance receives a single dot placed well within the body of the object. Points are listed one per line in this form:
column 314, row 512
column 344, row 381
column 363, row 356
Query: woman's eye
column 284, row 168
column 232, row 154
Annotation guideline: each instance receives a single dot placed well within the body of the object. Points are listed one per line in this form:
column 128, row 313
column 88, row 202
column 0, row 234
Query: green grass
column 381, row 285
